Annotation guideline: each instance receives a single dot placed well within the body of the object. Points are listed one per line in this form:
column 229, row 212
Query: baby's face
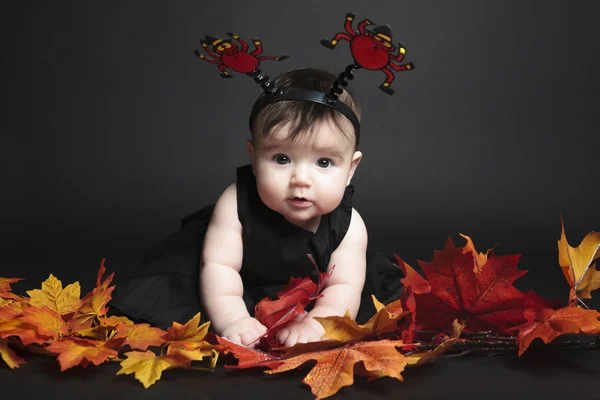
column 306, row 178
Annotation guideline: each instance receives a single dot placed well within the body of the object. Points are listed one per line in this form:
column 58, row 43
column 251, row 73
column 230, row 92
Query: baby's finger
column 283, row 334
column 249, row 337
column 291, row 340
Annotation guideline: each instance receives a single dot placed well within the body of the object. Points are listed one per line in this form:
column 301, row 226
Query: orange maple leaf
column 76, row 351
column 548, row 324
column 25, row 331
column 419, row 358
column 247, row 356
column 189, row 332
column 93, row 305
column 577, row 264
column 63, row 301
column 479, row 258
column 140, row 336
column 5, row 283
column 48, row 322
column 335, row 367
column 147, row 367
column 5, row 290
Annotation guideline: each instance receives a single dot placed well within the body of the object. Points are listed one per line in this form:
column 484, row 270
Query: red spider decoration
column 372, row 50
column 227, row 54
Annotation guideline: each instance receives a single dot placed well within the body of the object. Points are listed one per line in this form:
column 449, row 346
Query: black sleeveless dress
column 164, row 287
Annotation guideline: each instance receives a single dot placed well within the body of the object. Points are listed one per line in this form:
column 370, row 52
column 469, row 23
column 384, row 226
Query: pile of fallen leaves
column 463, row 293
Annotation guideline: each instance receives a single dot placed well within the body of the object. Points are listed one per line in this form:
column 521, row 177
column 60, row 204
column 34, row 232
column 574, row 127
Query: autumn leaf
column 10, row 311
column 140, row 336
column 548, row 324
column 345, row 329
column 189, row 332
column 9, row 356
column 76, row 351
column 578, row 264
column 292, row 301
column 5, row 290
column 147, row 367
column 335, row 367
column 247, row 357
column 93, row 305
column 48, row 322
column 23, row 330
column 480, row 258
column 420, row 358
column 485, row 300
column 63, row 301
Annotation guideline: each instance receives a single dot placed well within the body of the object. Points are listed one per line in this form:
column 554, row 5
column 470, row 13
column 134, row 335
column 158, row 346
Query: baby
column 303, row 156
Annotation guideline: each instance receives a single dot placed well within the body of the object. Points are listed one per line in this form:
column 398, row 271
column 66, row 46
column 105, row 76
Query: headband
column 371, row 48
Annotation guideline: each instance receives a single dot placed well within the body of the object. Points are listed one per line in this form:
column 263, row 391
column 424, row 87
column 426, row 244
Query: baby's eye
column 324, row 162
column 281, row 159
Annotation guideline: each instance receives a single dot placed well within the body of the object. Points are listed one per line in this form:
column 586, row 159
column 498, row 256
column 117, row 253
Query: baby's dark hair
column 305, row 116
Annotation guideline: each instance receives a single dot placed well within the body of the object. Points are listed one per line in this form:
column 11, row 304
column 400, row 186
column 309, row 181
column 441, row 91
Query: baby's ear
column 353, row 164
column 250, row 148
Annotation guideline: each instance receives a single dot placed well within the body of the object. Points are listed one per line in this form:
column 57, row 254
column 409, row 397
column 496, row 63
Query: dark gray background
column 113, row 130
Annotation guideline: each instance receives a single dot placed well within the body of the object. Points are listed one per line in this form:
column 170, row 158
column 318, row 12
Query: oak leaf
column 75, row 351
column 548, row 324
column 485, row 300
column 577, row 263
column 140, row 336
column 9, row 356
column 63, row 301
column 147, row 367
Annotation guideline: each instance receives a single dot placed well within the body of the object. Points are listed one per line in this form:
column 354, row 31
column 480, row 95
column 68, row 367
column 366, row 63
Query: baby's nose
column 301, row 177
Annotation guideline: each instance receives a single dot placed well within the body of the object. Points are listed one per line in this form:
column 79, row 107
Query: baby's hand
column 245, row 331
column 298, row 332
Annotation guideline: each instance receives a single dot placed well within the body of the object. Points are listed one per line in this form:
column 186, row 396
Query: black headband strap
column 310, row 96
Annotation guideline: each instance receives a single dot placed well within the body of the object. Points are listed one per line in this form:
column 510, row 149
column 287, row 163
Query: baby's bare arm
column 222, row 253
column 342, row 290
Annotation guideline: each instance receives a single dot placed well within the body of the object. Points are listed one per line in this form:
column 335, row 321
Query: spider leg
column 280, row 58
column 331, row 44
column 363, row 24
column 205, row 58
column 258, row 43
column 385, row 86
column 240, row 40
column 224, row 72
column 208, row 50
column 348, row 24
column 401, row 67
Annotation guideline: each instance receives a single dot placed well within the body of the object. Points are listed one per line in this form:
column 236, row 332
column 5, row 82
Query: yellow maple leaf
column 140, row 336
column 577, row 263
column 63, row 301
column 345, row 329
column 9, row 356
column 147, row 367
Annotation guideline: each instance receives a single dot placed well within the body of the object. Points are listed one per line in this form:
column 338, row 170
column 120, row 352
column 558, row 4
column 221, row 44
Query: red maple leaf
column 292, row 300
column 485, row 300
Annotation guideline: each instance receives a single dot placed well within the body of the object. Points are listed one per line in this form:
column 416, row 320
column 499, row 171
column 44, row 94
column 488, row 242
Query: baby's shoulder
column 226, row 205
